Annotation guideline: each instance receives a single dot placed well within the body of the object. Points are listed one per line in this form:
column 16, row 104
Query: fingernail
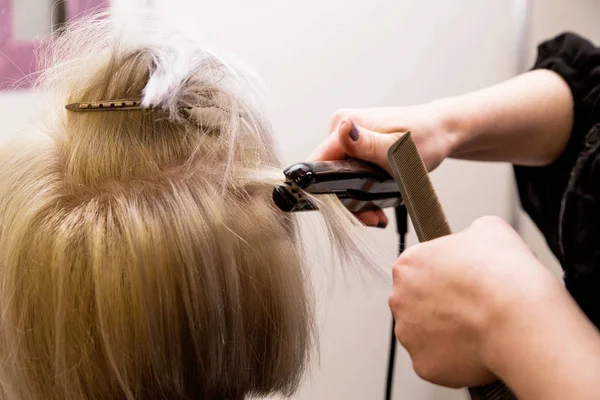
column 381, row 225
column 354, row 133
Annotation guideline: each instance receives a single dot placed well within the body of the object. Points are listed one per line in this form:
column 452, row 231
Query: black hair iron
column 358, row 185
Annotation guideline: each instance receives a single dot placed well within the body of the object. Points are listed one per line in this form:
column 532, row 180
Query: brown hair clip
column 107, row 105
column 112, row 105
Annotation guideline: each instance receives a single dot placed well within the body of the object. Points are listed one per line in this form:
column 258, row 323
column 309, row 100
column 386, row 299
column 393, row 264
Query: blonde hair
column 141, row 256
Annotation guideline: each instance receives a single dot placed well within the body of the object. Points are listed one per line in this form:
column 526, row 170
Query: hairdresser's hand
column 376, row 129
column 379, row 128
column 454, row 296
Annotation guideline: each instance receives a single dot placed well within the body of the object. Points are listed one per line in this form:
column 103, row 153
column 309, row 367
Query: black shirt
column 563, row 198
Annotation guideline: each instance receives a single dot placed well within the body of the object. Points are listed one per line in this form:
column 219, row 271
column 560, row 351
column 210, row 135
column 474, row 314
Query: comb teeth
column 418, row 193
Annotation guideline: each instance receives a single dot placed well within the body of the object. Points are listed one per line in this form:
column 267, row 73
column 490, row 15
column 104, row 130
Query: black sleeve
column 541, row 189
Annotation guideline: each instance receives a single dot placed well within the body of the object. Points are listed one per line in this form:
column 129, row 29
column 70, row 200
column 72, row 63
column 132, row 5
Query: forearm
column 526, row 120
column 547, row 349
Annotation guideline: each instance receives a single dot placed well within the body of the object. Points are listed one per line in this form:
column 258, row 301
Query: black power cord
column 402, row 228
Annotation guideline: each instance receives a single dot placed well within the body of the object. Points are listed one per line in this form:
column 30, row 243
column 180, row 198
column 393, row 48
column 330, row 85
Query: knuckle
column 392, row 302
column 340, row 114
column 406, row 334
column 408, row 257
column 400, row 271
column 370, row 146
column 490, row 221
column 400, row 333
column 426, row 367
column 397, row 271
column 396, row 298
column 423, row 368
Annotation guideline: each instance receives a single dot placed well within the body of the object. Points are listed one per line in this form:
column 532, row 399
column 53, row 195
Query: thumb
column 366, row 145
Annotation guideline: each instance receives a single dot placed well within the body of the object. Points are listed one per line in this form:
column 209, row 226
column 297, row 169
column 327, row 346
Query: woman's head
column 140, row 254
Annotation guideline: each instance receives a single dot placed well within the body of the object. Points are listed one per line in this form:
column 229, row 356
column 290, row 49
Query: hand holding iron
column 368, row 133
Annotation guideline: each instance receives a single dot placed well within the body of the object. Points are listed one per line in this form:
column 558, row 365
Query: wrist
column 536, row 344
column 516, row 308
column 522, row 320
column 451, row 126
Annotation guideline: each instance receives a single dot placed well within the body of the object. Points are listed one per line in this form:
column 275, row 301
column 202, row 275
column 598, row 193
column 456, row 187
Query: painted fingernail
column 354, row 133
column 381, row 225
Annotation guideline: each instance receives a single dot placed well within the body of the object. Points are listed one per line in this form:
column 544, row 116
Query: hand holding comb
column 429, row 221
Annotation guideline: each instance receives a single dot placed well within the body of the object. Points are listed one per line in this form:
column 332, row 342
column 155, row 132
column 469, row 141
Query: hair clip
column 107, row 105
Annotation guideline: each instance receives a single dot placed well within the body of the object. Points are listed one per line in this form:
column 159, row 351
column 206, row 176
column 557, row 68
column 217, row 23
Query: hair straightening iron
column 358, row 185
column 363, row 186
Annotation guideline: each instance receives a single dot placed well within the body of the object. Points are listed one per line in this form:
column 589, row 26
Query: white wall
column 31, row 18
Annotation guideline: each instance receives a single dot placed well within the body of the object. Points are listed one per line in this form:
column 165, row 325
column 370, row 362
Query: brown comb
column 429, row 221
column 419, row 196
